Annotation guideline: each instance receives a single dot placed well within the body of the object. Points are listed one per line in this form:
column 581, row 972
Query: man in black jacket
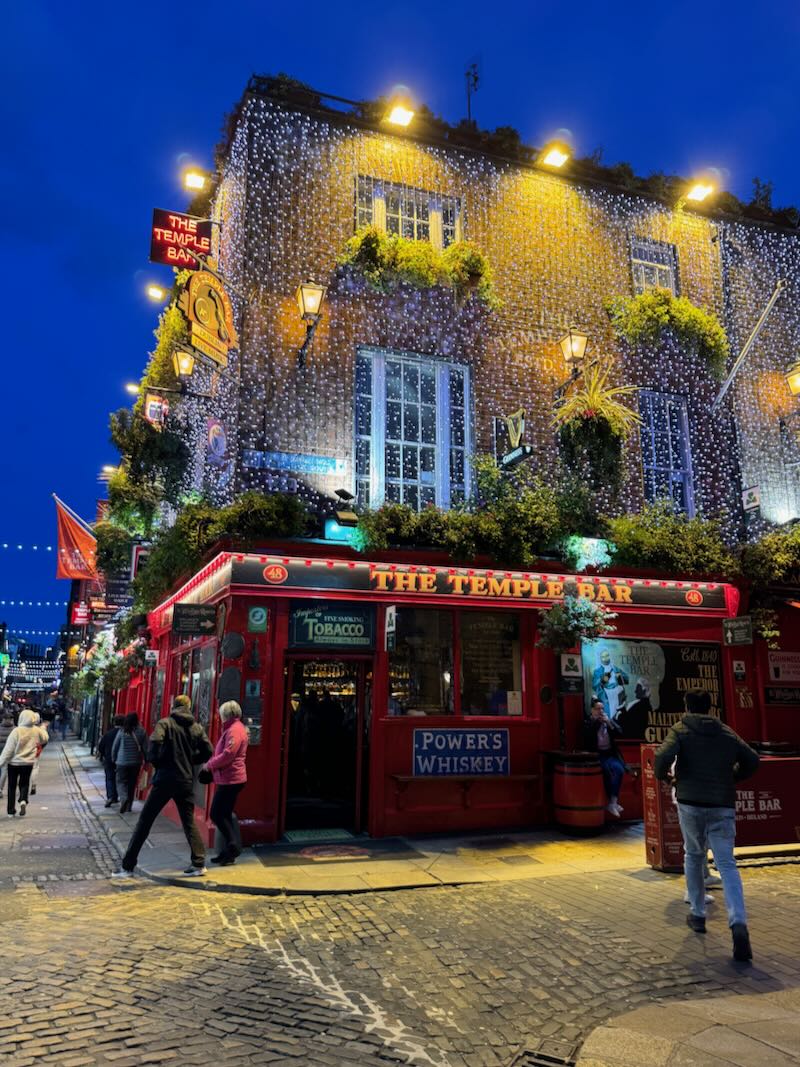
column 709, row 759
column 178, row 745
column 104, row 750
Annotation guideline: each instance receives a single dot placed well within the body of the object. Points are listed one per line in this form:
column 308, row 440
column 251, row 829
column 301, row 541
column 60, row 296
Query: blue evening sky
column 100, row 102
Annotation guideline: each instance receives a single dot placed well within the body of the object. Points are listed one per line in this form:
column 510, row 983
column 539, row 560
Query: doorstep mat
column 297, row 854
column 308, row 837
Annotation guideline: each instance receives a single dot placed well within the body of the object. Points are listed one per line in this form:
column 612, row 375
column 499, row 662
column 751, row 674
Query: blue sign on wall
column 443, row 752
column 296, row 462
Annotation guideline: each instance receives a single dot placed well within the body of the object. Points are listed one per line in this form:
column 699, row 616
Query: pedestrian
column 599, row 731
column 6, row 726
column 43, row 727
column 104, row 750
column 709, row 759
column 19, row 755
column 228, row 767
column 128, row 755
column 177, row 746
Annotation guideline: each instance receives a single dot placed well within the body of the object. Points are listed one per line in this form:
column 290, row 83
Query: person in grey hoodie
column 19, row 754
column 127, row 754
column 709, row 760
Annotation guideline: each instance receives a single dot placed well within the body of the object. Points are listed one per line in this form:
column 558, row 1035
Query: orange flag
column 77, row 545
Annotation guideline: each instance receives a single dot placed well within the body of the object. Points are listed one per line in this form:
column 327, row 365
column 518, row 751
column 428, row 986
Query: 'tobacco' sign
column 175, row 236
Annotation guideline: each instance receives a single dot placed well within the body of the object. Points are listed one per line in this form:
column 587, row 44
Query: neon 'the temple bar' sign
column 400, row 581
column 175, row 236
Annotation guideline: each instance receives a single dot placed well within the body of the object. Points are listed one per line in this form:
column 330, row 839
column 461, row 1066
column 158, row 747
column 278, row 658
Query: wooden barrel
column 579, row 799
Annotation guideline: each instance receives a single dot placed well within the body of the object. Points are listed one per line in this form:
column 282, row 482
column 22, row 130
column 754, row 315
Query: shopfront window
column 421, row 665
column 491, row 673
column 486, row 645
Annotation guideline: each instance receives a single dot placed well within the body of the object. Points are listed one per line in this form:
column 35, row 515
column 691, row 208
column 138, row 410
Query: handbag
column 204, row 776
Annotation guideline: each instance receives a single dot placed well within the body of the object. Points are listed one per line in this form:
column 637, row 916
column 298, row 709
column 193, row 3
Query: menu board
column 490, row 664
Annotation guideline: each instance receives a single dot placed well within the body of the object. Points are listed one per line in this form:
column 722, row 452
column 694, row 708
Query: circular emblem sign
column 694, row 597
column 276, row 573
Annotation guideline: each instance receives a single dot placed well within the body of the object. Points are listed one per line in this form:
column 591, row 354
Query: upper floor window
column 654, row 265
column 666, row 455
column 407, row 212
column 412, row 431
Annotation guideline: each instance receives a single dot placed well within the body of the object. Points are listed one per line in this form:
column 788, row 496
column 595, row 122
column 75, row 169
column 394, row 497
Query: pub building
column 395, row 692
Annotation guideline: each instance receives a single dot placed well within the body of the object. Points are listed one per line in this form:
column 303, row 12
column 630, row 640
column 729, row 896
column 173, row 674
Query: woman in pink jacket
column 229, row 771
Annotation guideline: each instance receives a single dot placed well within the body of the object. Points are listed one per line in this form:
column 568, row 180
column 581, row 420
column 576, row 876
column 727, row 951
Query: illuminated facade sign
column 175, row 236
column 208, row 308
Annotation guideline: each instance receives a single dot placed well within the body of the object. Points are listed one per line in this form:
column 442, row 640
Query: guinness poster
column 642, row 683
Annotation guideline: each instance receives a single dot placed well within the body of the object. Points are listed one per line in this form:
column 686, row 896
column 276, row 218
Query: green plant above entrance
column 644, row 319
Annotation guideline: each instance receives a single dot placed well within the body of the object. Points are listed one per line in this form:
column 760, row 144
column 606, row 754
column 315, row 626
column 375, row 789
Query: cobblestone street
column 93, row 972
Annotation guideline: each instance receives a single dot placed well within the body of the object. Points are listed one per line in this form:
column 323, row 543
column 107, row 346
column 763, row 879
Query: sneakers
column 11, row 814
column 23, row 804
column 697, row 923
column 713, row 880
column 741, row 943
column 195, row 872
column 122, row 873
column 615, row 810
column 109, row 803
column 708, row 898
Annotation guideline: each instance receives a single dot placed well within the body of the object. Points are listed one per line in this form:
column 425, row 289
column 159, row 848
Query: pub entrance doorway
column 326, row 743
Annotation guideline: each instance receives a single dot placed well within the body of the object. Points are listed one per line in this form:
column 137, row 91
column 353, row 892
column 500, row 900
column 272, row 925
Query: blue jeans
column 713, row 828
column 613, row 770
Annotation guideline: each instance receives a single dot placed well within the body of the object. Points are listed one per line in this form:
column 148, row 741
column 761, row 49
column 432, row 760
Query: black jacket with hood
column 178, row 745
column 711, row 759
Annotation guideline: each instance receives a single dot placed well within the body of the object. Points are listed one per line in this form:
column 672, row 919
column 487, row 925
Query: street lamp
column 132, row 388
column 107, row 471
column 555, row 154
column 156, row 292
column 573, row 347
column 792, row 377
column 183, row 363
column 310, row 296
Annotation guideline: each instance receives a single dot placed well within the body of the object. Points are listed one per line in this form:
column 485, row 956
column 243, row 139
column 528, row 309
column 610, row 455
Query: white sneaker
column 122, row 873
column 712, row 881
column 22, row 806
column 10, row 815
column 615, row 809
column 708, row 898
column 195, row 872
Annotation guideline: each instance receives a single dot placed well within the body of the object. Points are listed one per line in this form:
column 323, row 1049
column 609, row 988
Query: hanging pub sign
column 176, row 236
column 641, row 684
column 515, row 427
column 332, row 626
column 155, row 409
column 391, row 581
column 207, row 306
column 192, row 620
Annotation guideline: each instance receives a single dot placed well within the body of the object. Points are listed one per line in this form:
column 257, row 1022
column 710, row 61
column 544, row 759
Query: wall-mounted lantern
column 792, row 377
column 310, row 297
column 183, row 364
column 573, row 347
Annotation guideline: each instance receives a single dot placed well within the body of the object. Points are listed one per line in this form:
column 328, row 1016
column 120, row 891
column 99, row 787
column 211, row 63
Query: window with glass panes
column 666, row 456
column 406, row 211
column 412, row 430
column 654, row 265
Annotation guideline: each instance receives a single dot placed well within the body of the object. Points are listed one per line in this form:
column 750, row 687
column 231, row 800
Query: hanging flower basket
column 564, row 625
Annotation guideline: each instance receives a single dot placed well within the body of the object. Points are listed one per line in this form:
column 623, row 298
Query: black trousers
column 160, row 796
column 111, row 780
column 222, row 815
column 127, row 777
column 20, row 775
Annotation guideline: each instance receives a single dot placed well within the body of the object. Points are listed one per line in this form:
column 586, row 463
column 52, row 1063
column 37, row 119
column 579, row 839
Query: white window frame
column 443, row 445
column 660, row 256
column 435, row 202
column 647, row 444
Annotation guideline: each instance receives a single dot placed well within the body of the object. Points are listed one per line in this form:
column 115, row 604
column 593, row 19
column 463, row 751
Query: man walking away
column 711, row 758
column 178, row 745
column 104, row 752
column 6, row 726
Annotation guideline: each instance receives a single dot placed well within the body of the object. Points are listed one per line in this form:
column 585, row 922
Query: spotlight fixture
column 555, row 154
column 345, row 515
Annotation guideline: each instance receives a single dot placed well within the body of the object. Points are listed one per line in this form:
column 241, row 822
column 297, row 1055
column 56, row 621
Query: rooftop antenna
column 472, row 76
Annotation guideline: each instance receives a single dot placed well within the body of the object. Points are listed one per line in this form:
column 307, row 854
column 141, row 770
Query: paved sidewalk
column 762, row 1031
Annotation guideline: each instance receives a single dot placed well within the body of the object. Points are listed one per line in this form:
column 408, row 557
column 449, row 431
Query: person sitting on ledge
column 599, row 737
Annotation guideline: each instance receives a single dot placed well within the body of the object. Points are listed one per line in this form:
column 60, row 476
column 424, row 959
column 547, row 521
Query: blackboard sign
column 191, row 620
column 445, row 752
column 738, row 631
column 776, row 694
column 332, row 626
